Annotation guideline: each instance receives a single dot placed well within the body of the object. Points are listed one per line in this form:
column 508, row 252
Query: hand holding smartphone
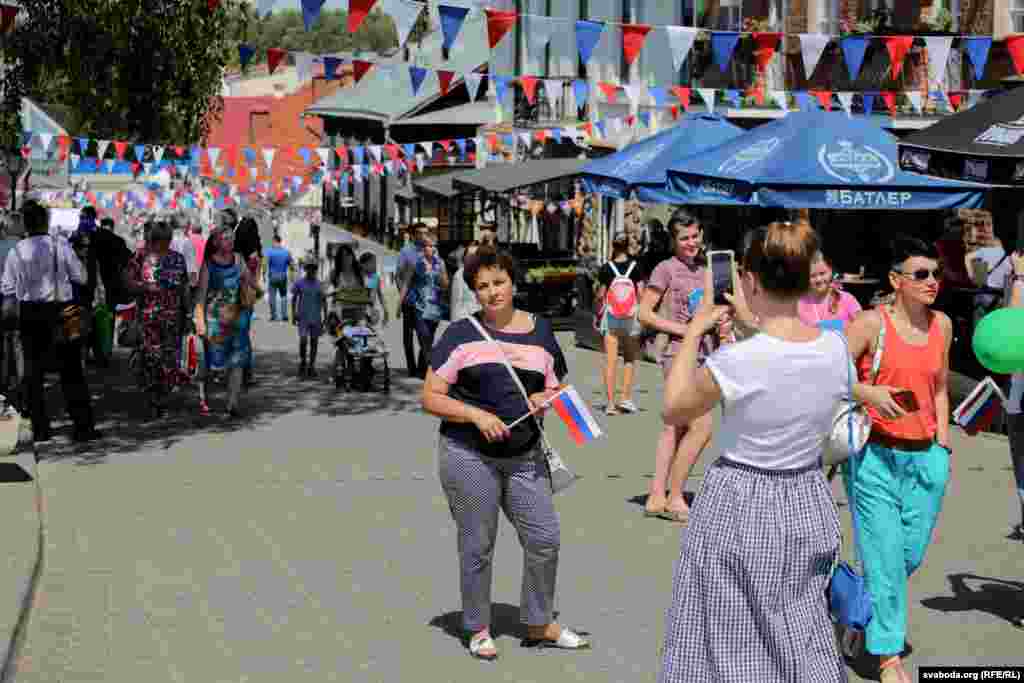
column 721, row 264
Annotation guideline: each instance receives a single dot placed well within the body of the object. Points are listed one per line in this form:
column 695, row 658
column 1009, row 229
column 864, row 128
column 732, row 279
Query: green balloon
column 999, row 341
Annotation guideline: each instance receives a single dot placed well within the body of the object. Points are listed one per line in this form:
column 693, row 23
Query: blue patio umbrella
column 815, row 160
column 641, row 167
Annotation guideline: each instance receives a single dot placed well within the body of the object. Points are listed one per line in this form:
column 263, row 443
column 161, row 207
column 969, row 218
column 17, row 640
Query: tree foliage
column 284, row 29
column 136, row 70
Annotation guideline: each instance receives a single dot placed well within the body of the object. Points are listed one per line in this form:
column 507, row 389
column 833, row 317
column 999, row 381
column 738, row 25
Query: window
column 730, row 15
column 828, row 17
column 1017, row 15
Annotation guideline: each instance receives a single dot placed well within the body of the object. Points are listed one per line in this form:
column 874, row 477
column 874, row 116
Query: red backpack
column 621, row 299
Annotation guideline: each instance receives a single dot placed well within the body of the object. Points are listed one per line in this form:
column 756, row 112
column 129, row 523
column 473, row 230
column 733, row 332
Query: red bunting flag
column 359, row 69
column 120, row 147
column 492, row 140
column 630, row 120
column 889, row 98
column 588, row 128
column 357, row 11
column 955, row 98
column 212, row 4
column 393, row 151
column 529, row 84
column 26, row 151
column 1015, row 44
column 135, row 167
column 633, row 37
column 499, row 22
column 446, row 144
column 180, row 151
column 898, row 46
column 765, row 45
column 675, row 112
column 445, row 80
column 540, row 135
column 342, row 151
column 683, row 95
column 757, row 92
column 274, row 57
column 610, row 90
column 824, row 98
column 8, row 13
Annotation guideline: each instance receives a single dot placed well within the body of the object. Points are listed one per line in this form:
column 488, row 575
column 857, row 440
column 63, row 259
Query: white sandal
column 567, row 640
column 481, row 646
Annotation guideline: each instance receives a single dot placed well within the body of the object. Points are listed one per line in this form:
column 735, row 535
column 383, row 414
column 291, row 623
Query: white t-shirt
column 183, row 245
column 779, row 398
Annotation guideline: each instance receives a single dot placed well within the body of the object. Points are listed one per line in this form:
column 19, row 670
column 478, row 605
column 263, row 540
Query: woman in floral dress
column 159, row 276
column 221, row 319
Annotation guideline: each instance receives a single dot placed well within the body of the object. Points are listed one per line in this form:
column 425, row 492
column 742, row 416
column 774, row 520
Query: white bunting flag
column 158, row 153
column 680, row 40
column 264, row 7
column 304, row 65
column 268, row 157
column 110, row 166
column 553, row 87
column 846, row 101
column 404, row 13
column 938, row 56
column 45, row 139
column 916, row 101
column 524, row 137
column 779, row 97
column 473, row 84
column 101, row 148
column 811, row 47
column 325, row 156
column 253, row 171
column 420, row 163
column 214, row 153
column 708, row 95
column 427, row 148
column 374, row 152
column 633, row 93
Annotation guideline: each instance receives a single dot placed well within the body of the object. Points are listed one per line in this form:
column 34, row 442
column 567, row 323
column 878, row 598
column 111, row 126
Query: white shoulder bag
column 851, row 424
column 561, row 476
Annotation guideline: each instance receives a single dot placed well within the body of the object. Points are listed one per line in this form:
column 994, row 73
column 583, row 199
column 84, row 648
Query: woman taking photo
column 617, row 330
column 159, row 278
column 902, row 473
column 484, row 465
column 221, row 319
column 680, row 282
column 748, row 600
column 827, row 306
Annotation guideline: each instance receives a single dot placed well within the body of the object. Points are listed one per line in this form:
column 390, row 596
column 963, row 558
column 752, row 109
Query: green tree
column 136, row 70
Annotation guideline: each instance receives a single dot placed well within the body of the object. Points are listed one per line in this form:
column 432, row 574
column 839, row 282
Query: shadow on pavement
column 688, row 496
column 123, row 415
column 13, row 473
column 1001, row 598
column 505, row 621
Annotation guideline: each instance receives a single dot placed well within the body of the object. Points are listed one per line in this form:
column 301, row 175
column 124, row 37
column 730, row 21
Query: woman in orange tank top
column 901, row 475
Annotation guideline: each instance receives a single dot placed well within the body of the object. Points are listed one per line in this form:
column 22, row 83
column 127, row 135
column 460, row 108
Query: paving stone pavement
column 311, row 542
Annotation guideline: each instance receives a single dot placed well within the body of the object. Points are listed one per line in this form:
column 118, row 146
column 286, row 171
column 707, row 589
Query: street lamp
column 15, row 163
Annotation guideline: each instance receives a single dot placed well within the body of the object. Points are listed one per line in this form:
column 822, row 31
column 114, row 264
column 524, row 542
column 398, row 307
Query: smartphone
column 721, row 264
column 906, row 400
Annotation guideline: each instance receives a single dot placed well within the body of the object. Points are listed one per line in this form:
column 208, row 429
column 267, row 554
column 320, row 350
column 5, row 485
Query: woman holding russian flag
column 489, row 458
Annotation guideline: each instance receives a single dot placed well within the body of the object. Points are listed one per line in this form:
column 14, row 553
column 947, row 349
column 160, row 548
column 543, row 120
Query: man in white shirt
column 181, row 242
column 37, row 275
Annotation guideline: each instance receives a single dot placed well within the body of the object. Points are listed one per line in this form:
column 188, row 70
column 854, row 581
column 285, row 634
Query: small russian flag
column 980, row 408
column 576, row 415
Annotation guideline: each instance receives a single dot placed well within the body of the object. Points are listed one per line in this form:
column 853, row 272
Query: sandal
column 204, row 409
column 567, row 640
column 481, row 646
column 655, row 512
column 892, row 671
column 677, row 516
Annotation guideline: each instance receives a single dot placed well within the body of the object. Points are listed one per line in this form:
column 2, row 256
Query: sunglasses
column 922, row 274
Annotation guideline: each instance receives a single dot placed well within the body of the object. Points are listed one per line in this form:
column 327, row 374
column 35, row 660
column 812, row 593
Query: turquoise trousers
column 898, row 495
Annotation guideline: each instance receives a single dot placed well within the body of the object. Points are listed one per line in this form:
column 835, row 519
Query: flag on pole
column 576, row 415
column 980, row 408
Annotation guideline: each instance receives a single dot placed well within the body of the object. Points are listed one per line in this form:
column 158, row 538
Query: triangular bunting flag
column 708, row 95
column 890, row 101
column 264, row 7
column 854, row 48
column 633, row 92
column 158, row 153
column 657, row 94
column 633, row 37
column 811, row 47
column 682, row 94
column 374, row 152
column 214, row 153
column 268, row 157
column 779, row 97
column 245, row 54
column 311, row 12
column 119, row 148
column 977, row 48
column 444, row 78
column 645, row 119
column 1015, row 45
column 140, row 152
column 610, row 90
column 416, row 76
column 404, row 13
column 765, row 45
column 898, row 46
column 101, row 148
column 824, row 98
column 553, row 89
column 45, row 139
column 501, row 84
column 846, row 101
column 869, row 102
column 587, row 35
column 955, row 98
column 580, row 92
column 723, row 44
column 916, row 101
column 303, row 65
column 938, row 57
column 804, row 101
column 680, row 40
column 529, row 85
column 83, row 146
column 472, row 84
column 451, row 23
column 357, row 11
column 499, row 22
column 325, row 156
column 359, row 69
column 274, row 57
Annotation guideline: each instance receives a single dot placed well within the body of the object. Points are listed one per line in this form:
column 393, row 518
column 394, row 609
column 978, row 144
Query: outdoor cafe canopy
column 641, row 166
column 815, row 160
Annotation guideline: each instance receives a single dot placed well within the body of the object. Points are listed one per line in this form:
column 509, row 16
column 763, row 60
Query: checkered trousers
column 477, row 487
column 748, row 598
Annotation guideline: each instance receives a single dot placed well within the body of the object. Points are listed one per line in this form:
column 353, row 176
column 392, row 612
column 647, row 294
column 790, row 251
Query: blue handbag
column 848, row 597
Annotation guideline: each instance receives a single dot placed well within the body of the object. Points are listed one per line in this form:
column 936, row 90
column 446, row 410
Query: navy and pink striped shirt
column 474, row 369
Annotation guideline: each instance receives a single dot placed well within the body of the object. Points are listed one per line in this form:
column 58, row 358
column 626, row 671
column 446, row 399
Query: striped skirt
column 748, row 599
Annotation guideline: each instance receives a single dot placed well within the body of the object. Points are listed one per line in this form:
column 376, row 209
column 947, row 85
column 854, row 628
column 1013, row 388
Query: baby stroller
column 360, row 355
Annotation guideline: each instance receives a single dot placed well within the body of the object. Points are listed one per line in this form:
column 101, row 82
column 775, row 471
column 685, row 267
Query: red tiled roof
column 283, row 128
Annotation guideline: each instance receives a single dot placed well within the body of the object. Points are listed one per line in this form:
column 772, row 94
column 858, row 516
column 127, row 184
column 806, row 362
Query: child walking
column 309, row 309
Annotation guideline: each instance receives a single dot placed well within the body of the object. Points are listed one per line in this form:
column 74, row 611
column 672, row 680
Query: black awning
column 442, row 185
column 507, row 177
column 984, row 143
